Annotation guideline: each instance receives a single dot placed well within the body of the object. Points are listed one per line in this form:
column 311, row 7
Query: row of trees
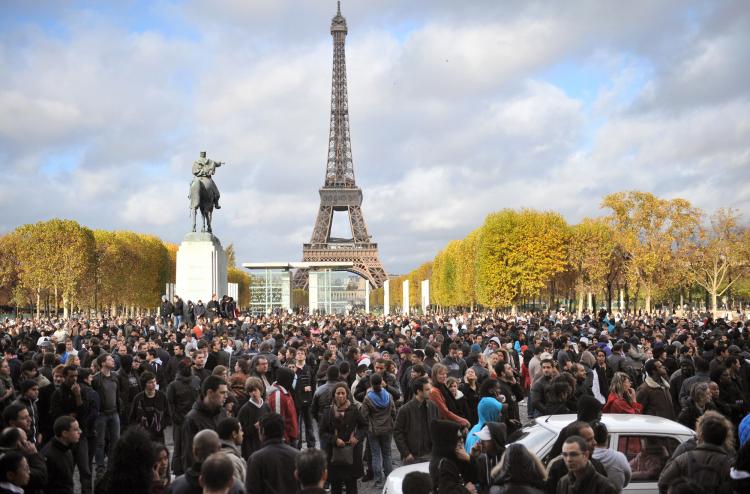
column 60, row 263
column 645, row 247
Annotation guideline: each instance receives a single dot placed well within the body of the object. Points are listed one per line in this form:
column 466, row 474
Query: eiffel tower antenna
column 340, row 192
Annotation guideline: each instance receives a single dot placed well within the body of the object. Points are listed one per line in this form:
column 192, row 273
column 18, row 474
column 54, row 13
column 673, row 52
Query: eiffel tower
column 340, row 192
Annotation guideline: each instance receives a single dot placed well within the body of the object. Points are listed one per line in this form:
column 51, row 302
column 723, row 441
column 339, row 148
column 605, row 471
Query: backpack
column 710, row 477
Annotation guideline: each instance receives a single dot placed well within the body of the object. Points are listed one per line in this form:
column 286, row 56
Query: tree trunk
column 714, row 302
column 590, row 303
column 648, row 300
column 609, row 297
column 579, row 309
column 54, row 305
column 38, row 301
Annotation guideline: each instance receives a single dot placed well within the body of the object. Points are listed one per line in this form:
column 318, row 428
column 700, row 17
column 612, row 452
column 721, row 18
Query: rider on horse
column 203, row 169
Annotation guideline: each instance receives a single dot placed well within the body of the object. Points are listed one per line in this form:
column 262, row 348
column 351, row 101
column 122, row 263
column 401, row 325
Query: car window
column 647, row 455
column 534, row 437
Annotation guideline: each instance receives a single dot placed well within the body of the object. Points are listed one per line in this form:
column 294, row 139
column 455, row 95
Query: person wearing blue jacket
column 488, row 411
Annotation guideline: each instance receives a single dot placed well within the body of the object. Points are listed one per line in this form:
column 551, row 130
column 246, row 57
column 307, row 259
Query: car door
column 647, row 455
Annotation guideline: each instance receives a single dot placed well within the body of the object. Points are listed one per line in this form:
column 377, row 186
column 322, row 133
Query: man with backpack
column 708, row 464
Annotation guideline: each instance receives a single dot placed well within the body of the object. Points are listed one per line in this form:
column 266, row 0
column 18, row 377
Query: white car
column 629, row 434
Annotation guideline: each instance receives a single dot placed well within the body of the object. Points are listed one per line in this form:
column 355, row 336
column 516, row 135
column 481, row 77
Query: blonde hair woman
column 621, row 397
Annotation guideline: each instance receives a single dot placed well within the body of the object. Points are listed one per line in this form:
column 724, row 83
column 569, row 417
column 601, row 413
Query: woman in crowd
column 162, row 474
column 519, row 471
column 461, row 403
column 470, row 389
column 131, row 468
column 443, row 398
column 621, row 397
column 700, row 401
column 450, row 465
column 343, row 429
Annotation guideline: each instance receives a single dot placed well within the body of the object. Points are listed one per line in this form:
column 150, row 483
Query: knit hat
column 475, row 348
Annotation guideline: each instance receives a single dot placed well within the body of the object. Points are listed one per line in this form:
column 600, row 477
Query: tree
column 591, row 249
column 720, row 255
column 235, row 275
column 231, row 256
column 518, row 252
column 650, row 231
column 466, row 272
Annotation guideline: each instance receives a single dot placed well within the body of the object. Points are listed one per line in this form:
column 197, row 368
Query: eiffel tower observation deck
column 340, row 192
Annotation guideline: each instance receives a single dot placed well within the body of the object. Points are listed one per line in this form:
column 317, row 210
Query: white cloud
column 452, row 115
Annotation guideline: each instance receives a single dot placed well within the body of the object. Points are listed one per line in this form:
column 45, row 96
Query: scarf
column 450, row 400
column 340, row 411
column 381, row 399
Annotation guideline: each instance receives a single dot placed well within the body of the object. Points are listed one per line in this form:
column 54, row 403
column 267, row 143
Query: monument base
column 201, row 268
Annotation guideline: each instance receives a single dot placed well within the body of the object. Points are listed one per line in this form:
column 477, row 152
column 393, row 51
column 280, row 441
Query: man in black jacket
column 205, row 414
column 581, row 476
column 271, row 468
column 59, row 458
column 303, row 391
column 412, row 429
column 181, row 395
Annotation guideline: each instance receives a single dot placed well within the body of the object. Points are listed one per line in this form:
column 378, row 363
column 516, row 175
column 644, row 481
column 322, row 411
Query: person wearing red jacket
column 280, row 400
column 621, row 397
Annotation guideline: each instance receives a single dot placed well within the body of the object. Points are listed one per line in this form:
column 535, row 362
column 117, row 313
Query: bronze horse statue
column 204, row 194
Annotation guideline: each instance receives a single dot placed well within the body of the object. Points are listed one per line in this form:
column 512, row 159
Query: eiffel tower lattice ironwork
column 340, row 192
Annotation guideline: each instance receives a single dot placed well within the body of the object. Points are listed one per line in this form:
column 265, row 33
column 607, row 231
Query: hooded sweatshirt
column 379, row 411
column 488, row 411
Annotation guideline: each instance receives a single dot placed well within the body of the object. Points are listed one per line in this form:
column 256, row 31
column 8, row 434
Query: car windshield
column 534, row 437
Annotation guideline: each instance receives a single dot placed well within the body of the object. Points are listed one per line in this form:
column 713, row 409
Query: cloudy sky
column 457, row 109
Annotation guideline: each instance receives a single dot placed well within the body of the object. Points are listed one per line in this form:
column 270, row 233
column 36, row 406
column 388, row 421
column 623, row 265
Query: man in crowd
column 206, row 413
column 412, row 428
column 274, row 462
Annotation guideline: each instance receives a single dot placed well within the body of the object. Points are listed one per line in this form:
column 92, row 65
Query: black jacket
column 60, row 466
column 412, row 429
column 181, row 396
column 390, row 384
column 248, row 416
column 64, row 403
column 271, row 469
column 200, row 417
column 591, row 482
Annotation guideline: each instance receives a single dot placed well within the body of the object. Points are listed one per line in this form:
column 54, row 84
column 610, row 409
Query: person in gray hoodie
column 615, row 463
column 379, row 411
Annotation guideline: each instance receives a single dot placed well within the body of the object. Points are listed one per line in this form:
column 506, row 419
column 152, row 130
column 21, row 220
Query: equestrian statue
column 204, row 194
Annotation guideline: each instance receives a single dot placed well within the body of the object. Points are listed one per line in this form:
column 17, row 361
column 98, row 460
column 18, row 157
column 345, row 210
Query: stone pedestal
column 201, row 268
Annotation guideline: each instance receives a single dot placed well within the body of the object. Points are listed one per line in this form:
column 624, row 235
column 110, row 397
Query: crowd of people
column 293, row 402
